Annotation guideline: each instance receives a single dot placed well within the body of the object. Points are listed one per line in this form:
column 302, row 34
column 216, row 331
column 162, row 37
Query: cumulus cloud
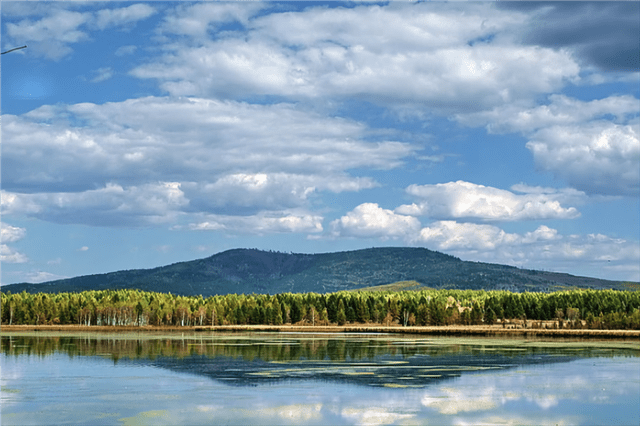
column 599, row 157
column 53, row 30
column 88, row 163
column 467, row 200
column 427, row 55
column 247, row 193
column 262, row 223
column 125, row 15
column 186, row 139
column 541, row 248
column 11, row 203
column 51, row 35
column 592, row 145
column 369, row 220
column 196, row 20
column 112, row 205
column 450, row 235
column 560, row 110
column 9, row 255
column 11, row 234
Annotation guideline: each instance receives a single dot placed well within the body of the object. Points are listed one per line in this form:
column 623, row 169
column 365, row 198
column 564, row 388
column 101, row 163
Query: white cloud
column 11, row 234
column 423, row 55
column 561, row 110
column 195, row 20
column 543, row 248
column 112, row 205
column 299, row 413
column 598, row 157
column 454, row 401
column 121, row 16
column 34, row 276
column 214, row 225
column 373, row 416
column 83, row 248
column 563, row 195
column 249, row 192
column 262, row 223
column 450, row 235
column 593, row 145
column 229, row 157
column 102, row 74
column 126, row 50
column 9, row 255
column 369, row 220
column 55, row 28
column 193, row 139
column 17, row 204
column 542, row 233
column 51, row 35
column 467, row 200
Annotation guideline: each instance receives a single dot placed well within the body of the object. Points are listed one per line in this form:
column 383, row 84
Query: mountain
column 256, row 271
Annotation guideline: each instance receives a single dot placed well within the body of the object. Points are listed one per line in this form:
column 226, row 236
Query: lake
column 280, row 378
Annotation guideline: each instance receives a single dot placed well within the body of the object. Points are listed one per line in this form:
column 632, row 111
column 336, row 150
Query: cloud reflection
column 373, row 416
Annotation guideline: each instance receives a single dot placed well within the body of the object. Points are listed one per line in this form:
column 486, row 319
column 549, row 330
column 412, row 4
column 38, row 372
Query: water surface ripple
column 266, row 378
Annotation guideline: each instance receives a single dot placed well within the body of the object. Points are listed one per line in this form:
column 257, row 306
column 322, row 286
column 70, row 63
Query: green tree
column 332, row 307
column 489, row 317
column 341, row 316
column 423, row 314
column 437, row 309
column 476, row 314
column 296, row 311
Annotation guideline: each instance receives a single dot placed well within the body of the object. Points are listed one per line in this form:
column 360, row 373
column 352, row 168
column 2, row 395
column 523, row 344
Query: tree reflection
column 250, row 359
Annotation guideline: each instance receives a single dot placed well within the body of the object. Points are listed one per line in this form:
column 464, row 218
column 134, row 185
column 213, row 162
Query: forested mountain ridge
column 255, row 271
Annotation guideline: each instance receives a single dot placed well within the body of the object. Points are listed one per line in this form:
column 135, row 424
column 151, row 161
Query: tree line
column 606, row 309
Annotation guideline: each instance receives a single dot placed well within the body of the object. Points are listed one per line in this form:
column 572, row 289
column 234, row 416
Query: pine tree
column 341, row 316
column 489, row 317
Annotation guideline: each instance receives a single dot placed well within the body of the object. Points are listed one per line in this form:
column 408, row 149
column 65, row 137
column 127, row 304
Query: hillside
column 256, row 271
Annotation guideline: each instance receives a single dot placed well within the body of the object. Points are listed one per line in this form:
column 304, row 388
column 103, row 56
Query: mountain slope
column 255, row 271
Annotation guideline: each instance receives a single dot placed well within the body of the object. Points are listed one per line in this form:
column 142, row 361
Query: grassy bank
column 454, row 330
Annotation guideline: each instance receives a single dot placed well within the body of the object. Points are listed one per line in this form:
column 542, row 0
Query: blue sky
column 136, row 135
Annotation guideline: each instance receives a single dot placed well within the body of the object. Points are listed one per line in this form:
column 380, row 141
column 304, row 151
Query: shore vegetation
column 575, row 309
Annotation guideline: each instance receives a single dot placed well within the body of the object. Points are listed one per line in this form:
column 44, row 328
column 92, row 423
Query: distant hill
column 256, row 271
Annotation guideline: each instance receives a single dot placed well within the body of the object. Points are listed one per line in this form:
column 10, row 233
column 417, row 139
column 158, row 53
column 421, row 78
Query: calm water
column 314, row 379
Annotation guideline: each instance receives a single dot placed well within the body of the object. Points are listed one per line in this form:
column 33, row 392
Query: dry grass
column 455, row 330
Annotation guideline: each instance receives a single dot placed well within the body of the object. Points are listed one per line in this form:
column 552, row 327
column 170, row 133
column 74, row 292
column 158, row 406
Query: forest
column 592, row 309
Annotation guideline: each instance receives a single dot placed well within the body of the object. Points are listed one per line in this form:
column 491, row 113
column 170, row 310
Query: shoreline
column 478, row 330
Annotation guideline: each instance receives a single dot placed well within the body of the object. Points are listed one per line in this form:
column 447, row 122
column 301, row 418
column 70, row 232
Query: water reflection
column 304, row 379
column 282, row 347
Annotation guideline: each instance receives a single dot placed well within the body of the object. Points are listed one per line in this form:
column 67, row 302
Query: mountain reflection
column 259, row 359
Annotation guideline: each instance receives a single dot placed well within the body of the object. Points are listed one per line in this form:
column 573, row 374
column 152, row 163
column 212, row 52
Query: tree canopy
column 576, row 308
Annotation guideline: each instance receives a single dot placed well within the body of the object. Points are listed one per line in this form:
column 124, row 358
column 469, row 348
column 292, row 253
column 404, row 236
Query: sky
column 137, row 135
